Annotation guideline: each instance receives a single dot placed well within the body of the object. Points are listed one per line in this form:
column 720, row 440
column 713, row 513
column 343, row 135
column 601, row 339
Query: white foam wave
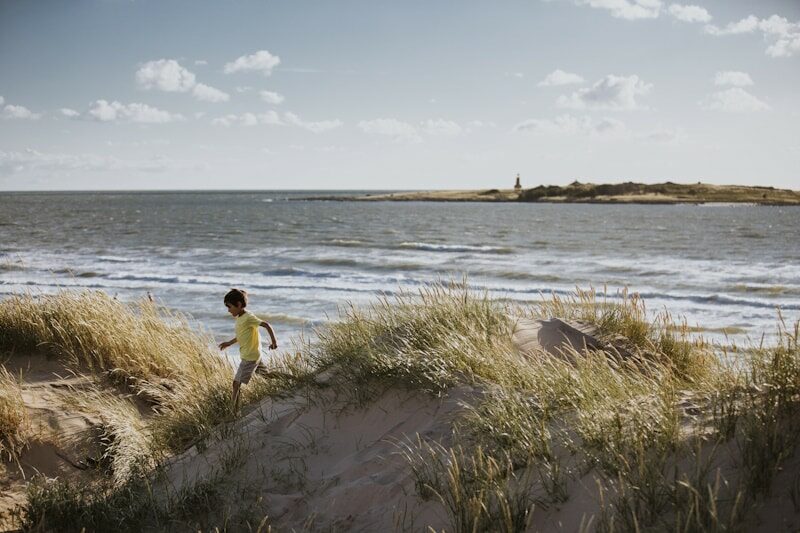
column 430, row 247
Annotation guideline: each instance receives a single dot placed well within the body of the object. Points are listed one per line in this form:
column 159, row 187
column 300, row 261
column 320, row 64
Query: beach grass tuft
column 479, row 491
column 142, row 345
column 14, row 422
column 430, row 340
column 623, row 324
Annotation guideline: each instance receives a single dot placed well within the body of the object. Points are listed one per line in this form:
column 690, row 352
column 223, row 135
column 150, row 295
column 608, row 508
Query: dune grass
column 150, row 351
column 479, row 491
column 14, row 423
column 624, row 326
column 430, row 340
column 122, row 434
column 613, row 413
column 64, row 505
column 144, row 347
column 533, row 428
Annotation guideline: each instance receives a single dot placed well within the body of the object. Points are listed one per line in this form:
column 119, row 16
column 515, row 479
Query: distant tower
column 517, row 186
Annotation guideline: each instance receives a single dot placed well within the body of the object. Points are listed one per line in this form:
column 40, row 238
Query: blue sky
column 373, row 94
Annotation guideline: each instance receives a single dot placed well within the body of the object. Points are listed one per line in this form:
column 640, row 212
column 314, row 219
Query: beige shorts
column 246, row 370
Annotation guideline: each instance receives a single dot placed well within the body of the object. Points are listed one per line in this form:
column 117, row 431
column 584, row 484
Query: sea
column 732, row 270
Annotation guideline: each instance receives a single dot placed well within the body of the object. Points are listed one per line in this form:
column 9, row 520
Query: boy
column 248, row 337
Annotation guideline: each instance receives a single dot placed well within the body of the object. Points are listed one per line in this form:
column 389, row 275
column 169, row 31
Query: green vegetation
column 143, row 348
column 13, row 419
column 666, row 433
column 659, row 192
column 431, row 340
column 61, row 505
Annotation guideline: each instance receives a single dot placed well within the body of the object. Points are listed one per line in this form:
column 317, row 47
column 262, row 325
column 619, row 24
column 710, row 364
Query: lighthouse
column 517, row 185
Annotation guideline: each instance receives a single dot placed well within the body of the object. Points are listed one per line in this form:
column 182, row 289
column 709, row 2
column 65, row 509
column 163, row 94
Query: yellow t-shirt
column 248, row 336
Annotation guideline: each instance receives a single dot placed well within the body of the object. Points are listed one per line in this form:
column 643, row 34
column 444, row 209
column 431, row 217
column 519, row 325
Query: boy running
column 248, row 337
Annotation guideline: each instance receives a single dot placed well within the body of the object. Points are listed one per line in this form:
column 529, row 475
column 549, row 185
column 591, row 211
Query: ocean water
column 720, row 266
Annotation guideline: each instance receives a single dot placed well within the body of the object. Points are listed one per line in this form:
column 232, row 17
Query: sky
column 411, row 94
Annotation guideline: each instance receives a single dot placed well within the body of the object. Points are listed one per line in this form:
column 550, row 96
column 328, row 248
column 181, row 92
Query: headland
column 591, row 193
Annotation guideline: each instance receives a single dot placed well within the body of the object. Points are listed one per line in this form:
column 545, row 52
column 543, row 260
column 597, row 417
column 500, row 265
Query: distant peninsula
column 609, row 193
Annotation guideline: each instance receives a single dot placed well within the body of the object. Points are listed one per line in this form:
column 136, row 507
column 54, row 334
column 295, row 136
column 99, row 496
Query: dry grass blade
column 14, row 423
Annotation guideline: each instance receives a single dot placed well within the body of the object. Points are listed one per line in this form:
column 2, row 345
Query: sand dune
column 61, row 433
column 337, row 452
column 323, row 461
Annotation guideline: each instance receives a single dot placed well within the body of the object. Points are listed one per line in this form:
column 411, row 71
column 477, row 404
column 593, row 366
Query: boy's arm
column 225, row 344
column 274, row 343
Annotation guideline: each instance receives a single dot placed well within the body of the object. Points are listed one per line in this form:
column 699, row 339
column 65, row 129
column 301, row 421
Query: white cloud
column 785, row 46
column 69, row 113
column 2, row 100
column 783, row 35
column 559, row 77
column 165, row 75
column 168, row 75
column 573, row 126
column 261, row 61
column 103, row 111
column 243, row 88
column 746, row 25
column 271, row 97
column 272, row 118
column 627, row 9
column 441, row 127
column 689, row 13
column 734, row 100
column 200, row 62
column 31, row 161
column 390, row 127
column 209, row 94
column 733, row 77
column 776, row 25
column 20, row 112
column 249, row 119
column 515, row 74
column 615, row 93
column 315, row 127
column 662, row 136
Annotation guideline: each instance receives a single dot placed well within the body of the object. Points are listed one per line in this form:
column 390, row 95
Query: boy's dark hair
column 236, row 296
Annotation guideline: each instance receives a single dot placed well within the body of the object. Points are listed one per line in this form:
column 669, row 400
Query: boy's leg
column 235, row 396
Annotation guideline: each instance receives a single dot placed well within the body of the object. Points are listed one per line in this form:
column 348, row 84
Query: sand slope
column 63, row 436
column 322, row 461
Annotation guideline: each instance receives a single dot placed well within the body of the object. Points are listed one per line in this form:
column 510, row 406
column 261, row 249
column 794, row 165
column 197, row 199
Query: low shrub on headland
column 664, row 431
